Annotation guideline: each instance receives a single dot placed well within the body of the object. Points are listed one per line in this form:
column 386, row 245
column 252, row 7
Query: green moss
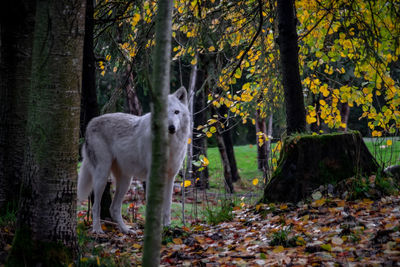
column 28, row 252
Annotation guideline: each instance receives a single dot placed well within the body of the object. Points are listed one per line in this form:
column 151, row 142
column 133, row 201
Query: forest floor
column 320, row 232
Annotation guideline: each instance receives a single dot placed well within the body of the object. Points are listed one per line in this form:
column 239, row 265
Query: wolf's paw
column 125, row 229
column 98, row 231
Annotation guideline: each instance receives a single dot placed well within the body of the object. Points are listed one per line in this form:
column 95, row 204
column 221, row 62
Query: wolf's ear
column 181, row 94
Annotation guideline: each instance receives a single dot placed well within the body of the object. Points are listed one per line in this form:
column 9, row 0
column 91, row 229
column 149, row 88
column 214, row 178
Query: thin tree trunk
column 269, row 134
column 262, row 157
column 198, row 139
column 160, row 149
column 16, row 28
column 288, row 46
column 89, row 105
column 46, row 224
column 225, row 161
column 344, row 113
column 133, row 103
column 228, row 142
column 189, row 157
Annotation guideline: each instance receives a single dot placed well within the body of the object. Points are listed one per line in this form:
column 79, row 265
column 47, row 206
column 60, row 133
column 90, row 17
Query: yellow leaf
column 208, row 134
column 137, row 246
column 211, row 49
column 246, row 97
column 310, row 119
column 189, row 141
column 136, row 18
column 108, row 57
column 213, row 129
column 205, row 161
column 187, row 183
column 194, row 61
column 278, row 249
column 255, row 181
column 319, row 202
column 326, row 247
column 177, row 241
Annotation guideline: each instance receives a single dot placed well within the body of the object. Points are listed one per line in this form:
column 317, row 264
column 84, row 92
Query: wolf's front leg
column 122, row 186
column 168, row 201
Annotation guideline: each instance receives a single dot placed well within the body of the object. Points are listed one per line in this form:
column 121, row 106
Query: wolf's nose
column 171, row 129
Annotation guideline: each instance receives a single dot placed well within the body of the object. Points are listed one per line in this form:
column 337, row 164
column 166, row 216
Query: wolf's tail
column 85, row 179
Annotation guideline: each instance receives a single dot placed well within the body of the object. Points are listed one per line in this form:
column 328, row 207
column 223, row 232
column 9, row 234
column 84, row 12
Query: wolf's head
column 178, row 113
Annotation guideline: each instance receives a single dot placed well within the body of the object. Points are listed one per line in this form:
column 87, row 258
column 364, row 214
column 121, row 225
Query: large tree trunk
column 308, row 161
column 160, row 149
column 289, row 62
column 46, row 224
column 17, row 26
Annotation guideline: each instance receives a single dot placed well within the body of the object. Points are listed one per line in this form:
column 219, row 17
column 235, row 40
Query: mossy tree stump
column 308, row 161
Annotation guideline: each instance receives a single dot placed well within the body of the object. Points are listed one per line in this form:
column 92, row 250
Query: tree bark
column 308, row 161
column 191, row 91
column 269, row 134
column 17, row 26
column 262, row 157
column 89, row 105
column 160, row 149
column 344, row 113
column 46, row 224
column 225, row 161
column 289, row 62
column 133, row 103
column 228, row 143
column 200, row 118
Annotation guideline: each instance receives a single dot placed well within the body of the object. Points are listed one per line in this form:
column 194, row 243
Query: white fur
column 121, row 143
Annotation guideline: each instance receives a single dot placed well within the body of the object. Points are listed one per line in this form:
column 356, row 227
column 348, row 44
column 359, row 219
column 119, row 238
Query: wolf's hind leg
column 99, row 183
column 122, row 183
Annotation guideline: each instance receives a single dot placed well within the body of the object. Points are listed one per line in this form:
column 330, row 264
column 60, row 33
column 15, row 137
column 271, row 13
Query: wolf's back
column 84, row 178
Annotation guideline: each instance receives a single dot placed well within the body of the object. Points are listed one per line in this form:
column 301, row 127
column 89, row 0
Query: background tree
column 46, row 223
column 289, row 58
column 17, row 25
column 89, row 105
column 160, row 146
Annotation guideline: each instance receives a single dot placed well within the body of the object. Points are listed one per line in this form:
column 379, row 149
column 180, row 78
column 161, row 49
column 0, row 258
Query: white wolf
column 121, row 143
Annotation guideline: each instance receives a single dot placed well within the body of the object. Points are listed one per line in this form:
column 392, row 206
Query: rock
column 393, row 170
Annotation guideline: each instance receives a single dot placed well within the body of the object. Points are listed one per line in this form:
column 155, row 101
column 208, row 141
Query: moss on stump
column 308, row 161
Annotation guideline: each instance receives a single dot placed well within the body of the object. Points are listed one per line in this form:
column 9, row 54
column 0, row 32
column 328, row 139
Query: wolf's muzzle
column 171, row 129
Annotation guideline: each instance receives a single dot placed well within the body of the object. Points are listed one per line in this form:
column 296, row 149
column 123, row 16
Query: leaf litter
column 323, row 232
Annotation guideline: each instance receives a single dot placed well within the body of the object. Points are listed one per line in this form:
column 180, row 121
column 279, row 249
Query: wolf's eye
column 176, row 112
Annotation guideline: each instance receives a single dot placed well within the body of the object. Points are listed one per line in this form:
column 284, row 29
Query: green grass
column 385, row 155
column 246, row 159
